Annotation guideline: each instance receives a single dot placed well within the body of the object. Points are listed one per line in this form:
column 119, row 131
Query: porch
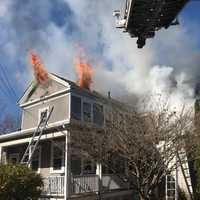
column 55, row 185
column 52, row 160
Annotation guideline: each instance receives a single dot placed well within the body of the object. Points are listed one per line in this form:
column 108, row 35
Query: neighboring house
column 66, row 175
column 69, row 175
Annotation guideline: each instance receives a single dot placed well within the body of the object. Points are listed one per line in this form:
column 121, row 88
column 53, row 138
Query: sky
column 169, row 63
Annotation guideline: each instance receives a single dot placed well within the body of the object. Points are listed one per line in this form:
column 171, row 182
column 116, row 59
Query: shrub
column 19, row 182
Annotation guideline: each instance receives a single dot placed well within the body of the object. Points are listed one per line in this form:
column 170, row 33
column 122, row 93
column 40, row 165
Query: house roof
column 34, row 83
column 74, row 88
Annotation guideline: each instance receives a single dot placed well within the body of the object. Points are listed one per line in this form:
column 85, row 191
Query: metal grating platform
column 143, row 17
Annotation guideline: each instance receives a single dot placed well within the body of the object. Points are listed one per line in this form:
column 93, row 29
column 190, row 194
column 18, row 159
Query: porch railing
column 54, row 185
column 85, row 183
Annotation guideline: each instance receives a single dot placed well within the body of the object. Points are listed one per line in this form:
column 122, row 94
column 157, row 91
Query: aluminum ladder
column 32, row 146
column 182, row 158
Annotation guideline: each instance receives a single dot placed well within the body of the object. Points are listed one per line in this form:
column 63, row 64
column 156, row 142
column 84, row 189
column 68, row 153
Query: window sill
column 60, row 171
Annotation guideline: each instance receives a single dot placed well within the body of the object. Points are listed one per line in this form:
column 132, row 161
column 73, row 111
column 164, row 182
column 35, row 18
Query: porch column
column 67, row 166
column 99, row 170
column 99, row 174
column 29, row 154
column 0, row 154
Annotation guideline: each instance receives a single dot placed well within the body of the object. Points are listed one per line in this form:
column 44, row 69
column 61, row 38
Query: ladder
column 182, row 157
column 32, row 146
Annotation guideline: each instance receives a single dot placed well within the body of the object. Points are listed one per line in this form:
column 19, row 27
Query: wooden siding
column 60, row 112
column 40, row 90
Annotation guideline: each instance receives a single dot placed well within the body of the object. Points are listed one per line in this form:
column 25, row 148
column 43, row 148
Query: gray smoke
column 166, row 65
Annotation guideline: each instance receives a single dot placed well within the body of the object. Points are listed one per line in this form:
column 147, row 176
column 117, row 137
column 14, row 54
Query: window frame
column 42, row 110
column 93, row 166
column 89, row 101
column 62, row 170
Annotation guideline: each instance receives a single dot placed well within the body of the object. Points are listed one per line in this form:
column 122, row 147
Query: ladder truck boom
column 142, row 18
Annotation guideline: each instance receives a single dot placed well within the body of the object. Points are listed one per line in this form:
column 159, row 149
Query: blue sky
column 192, row 10
column 54, row 28
column 191, row 13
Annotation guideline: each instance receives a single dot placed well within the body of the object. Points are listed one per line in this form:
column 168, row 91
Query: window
column 76, row 107
column 75, row 165
column 89, row 167
column 14, row 158
column 57, row 157
column 35, row 161
column 43, row 115
column 98, row 116
column 87, row 109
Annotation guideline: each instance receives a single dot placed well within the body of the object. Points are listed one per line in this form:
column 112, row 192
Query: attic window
column 43, row 114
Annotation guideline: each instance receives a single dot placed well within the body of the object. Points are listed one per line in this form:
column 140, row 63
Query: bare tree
column 149, row 141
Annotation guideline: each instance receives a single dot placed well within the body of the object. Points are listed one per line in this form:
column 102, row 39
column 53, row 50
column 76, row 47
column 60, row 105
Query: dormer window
column 43, row 115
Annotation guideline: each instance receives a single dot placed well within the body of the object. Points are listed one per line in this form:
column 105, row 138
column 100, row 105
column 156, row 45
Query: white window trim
column 39, row 159
column 42, row 110
column 14, row 155
column 62, row 170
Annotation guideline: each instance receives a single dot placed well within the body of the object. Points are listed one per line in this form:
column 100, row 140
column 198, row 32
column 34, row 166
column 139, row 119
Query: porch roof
column 28, row 132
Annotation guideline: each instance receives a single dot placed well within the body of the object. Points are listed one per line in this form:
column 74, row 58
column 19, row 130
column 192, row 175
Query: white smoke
column 132, row 69
column 164, row 66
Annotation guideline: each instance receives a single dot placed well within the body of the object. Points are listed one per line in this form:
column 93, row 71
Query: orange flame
column 85, row 73
column 40, row 72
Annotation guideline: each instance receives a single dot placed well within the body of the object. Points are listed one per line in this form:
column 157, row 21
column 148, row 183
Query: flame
column 85, row 73
column 40, row 72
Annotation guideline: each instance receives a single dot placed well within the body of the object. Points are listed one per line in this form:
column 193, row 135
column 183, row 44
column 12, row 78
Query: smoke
column 54, row 28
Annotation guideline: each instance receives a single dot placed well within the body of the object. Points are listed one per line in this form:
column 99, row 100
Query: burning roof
column 40, row 72
column 83, row 68
column 85, row 73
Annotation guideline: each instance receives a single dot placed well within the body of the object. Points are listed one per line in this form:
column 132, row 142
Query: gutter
column 28, row 132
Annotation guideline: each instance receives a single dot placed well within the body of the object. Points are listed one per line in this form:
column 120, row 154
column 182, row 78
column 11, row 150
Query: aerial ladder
column 141, row 19
column 33, row 144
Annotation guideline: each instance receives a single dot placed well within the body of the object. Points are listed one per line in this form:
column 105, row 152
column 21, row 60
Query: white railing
column 85, row 183
column 54, row 185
